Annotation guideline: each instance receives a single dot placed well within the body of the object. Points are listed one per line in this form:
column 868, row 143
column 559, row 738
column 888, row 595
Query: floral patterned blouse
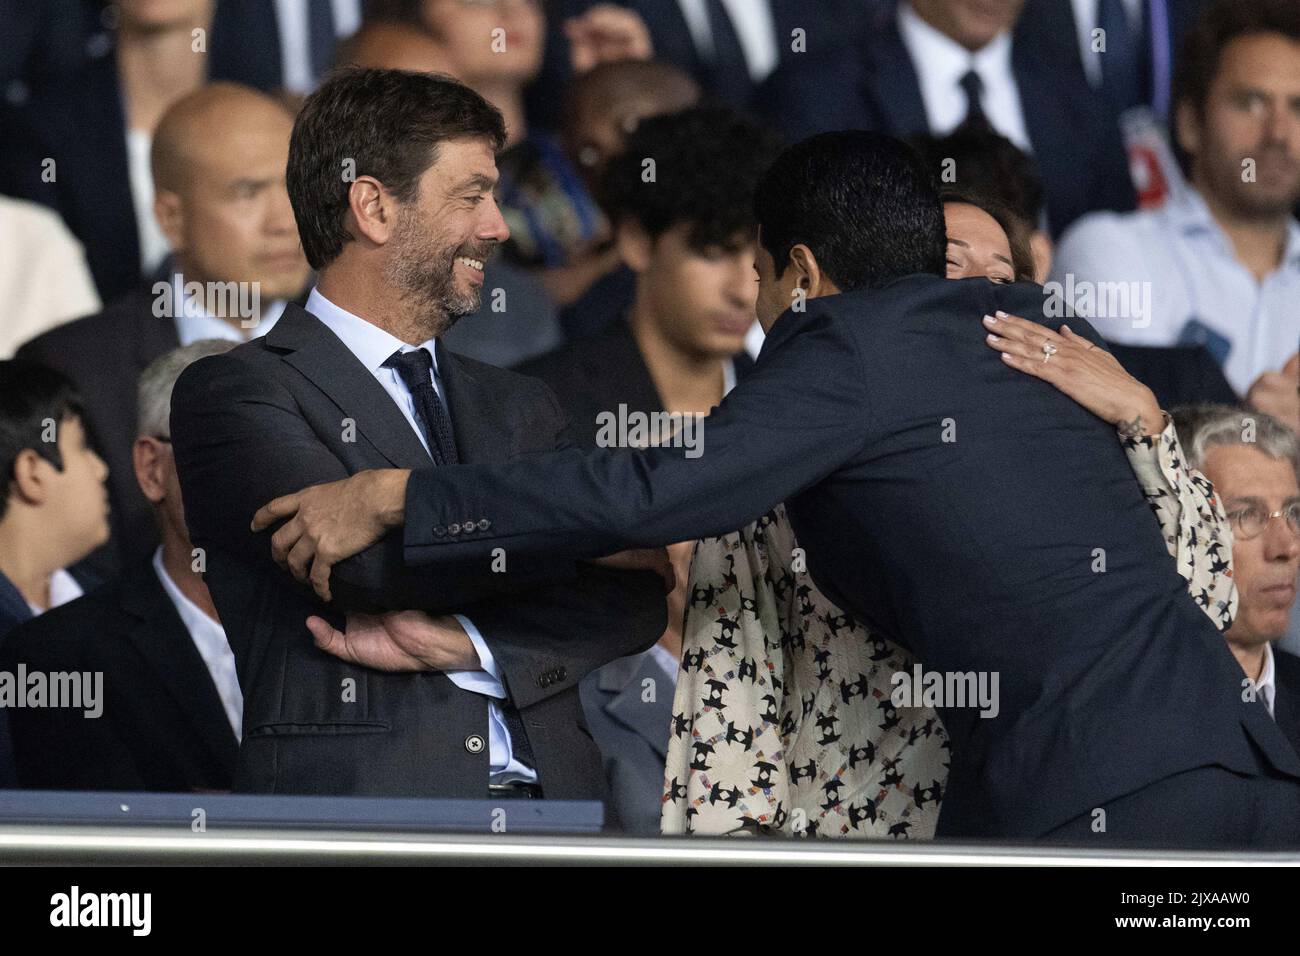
column 782, row 720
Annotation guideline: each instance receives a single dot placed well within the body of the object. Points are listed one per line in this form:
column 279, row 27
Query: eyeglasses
column 1250, row 521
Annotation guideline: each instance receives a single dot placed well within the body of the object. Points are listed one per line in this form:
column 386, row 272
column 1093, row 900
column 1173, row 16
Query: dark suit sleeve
column 582, row 625
column 241, row 440
column 796, row 418
column 605, row 615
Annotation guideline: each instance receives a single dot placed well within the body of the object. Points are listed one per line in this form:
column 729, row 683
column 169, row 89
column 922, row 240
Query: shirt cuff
column 1146, row 459
column 487, row 678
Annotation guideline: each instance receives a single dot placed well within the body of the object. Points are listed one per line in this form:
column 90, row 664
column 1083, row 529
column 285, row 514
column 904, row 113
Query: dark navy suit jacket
column 955, row 506
column 1076, row 143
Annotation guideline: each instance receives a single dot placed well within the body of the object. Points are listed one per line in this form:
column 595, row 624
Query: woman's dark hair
column 31, row 396
column 707, row 164
column 984, row 161
column 382, row 123
column 1022, row 259
column 864, row 203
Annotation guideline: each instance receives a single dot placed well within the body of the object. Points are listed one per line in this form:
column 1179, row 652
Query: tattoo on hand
column 1131, row 429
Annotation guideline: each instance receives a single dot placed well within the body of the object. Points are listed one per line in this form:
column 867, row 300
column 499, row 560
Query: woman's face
column 977, row 245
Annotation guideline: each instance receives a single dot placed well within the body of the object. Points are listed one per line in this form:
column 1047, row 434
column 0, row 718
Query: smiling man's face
column 448, row 231
column 1265, row 566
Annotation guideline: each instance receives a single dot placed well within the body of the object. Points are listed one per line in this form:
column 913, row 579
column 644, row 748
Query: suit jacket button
column 474, row 743
column 544, row 680
column 439, row 531
column 561, row 674
column 468, row 526
column 484, row 524
column 453, row 528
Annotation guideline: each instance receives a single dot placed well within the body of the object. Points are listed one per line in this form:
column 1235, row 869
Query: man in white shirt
column 940, row 63
column 1220, row 266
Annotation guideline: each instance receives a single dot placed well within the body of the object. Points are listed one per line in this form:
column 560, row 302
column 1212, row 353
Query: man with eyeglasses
column 1254, row 462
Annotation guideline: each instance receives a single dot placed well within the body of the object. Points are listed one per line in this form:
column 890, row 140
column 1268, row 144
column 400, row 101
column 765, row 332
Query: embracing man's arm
column 240, row 439
column 799, row 415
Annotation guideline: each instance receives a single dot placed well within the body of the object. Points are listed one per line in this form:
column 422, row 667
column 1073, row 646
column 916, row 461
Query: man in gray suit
column 629, row 708
column 419, row 684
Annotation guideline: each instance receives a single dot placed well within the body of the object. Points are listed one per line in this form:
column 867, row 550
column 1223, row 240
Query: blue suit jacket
column 1049, row 26
column 874, row 86
column 956, row 507
column 632, row 734
column 827, row 25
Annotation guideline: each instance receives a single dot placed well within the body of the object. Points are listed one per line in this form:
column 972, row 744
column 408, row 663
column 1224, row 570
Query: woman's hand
column 1089, row 375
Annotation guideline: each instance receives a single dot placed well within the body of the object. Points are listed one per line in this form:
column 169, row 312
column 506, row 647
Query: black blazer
column 1049, row 26
column 79, row 121
column 596, row 374
column 163, row 727
column 296, row 408
column 1177, row 374
column 1076, row 143
column 953, row 505
column 1286, row 705
column 104, row 355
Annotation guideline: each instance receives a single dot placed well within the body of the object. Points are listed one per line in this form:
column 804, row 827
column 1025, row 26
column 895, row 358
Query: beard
column 424, row 272
column 1259, row 199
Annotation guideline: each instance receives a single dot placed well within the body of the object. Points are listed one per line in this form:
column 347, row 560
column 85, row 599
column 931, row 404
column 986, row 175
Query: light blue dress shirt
column 373, row 347
column 1191, row 284
column 194, row 322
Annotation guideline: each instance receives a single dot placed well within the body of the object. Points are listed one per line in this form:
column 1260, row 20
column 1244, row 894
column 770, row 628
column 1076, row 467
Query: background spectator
column 1220, row 265
column 219, row 160
column 171, row 708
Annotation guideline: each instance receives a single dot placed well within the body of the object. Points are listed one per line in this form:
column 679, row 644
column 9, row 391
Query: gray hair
column 1200, row 427
column 154, row 391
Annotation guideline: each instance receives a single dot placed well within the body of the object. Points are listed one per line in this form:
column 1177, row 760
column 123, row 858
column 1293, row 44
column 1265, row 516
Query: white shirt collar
column 194, row 322
column 1190, row 213
column 940, row 62
column 368, row 342
column 947, row 60
column 209, row 639
column 665, row 659
column 63, row 588
column 1266, row 686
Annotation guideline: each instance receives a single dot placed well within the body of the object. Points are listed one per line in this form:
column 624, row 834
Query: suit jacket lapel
column 327, row 363
column 622, row 684
column 894, row 85
column 625, row 372
column 161, row 638
column 480, row 422
column 1287, row 715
